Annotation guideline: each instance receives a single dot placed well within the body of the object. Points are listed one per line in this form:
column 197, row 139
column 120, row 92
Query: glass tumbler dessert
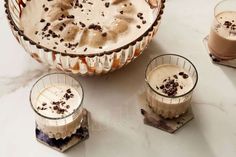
column 170, row 81
column 222, row 38
column 57, row 102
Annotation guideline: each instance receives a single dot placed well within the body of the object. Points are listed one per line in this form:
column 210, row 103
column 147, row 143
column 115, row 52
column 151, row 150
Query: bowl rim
column 132, row 43
column 166, row 96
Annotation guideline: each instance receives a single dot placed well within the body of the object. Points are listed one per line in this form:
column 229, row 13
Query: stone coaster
column 168, row 125
column 62, row 145
column 230, row 63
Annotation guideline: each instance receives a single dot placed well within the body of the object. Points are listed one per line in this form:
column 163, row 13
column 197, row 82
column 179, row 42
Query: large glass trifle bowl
column 85, row 61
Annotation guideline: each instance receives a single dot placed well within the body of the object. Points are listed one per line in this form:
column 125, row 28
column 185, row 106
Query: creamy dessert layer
column 85, row 26
column 170, row 80
column 58, row 101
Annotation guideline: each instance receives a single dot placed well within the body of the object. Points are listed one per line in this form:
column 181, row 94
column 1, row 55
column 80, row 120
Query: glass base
column 168, row 125
column 229, row 63
column 62, row 145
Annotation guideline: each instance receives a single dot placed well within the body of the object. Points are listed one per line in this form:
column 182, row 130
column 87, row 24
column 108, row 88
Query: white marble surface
column 117, row 128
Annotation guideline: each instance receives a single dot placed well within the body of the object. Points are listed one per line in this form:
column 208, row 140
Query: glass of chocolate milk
column 222, row 38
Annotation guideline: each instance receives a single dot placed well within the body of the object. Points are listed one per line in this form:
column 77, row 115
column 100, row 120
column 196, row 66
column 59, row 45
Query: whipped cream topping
column 170, row 80
column 57, row 101
column 85, row 26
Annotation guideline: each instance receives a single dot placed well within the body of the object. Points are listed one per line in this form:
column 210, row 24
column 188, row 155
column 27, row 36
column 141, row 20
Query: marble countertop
column 117, row 127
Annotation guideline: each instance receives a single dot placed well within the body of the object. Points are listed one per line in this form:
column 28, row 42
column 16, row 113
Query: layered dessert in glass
column 170, row 81
column 222, row 38
column 57, row 102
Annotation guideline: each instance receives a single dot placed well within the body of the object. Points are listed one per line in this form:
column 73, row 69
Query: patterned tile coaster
column 230, row 63
column 62, row 145
column 168, row 125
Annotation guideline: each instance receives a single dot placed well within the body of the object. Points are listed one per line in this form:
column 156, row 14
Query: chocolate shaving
column 184, row 75
column 170, row 87
column 107, row 4
column 95, row 27
column 175, row 76
column 68, row 90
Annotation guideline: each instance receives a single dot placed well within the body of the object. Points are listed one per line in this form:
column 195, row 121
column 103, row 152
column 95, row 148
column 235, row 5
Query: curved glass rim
column 39, row 46
column 217, row 5
column 59, row 118
column 166, row 96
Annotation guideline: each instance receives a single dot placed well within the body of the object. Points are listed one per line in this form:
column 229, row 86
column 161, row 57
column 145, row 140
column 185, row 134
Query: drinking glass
column 170, row 106
column 222, row 37
column 57, row 127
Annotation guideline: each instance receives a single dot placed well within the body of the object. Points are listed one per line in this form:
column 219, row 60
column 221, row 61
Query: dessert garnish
column 170, row 85
column 61, row 106
column 184, row 75
column 230, row 25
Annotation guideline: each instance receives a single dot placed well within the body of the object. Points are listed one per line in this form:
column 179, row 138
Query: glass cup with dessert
column 222, row 38
column 57, row 102
column 170, row 81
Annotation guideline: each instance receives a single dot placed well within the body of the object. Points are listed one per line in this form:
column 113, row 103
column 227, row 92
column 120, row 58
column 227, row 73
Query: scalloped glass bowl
column 84, row 64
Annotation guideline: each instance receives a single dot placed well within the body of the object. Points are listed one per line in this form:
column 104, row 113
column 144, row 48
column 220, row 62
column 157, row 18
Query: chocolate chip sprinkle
column 70, row 16
column 184, row 75
column 82, row 24
column 60, row 106
column 104, row 34
column 139, row 15
column 170, row 87
column 68, row 90
column 46, row 9
column 107, row 4
column 162, row 86
column 138, row 26
column 95, row 27
column 227, row 24
column 230, row 25
column 42, row 20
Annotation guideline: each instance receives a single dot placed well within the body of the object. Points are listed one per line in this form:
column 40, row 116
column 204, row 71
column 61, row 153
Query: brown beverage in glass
column 222, row 38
